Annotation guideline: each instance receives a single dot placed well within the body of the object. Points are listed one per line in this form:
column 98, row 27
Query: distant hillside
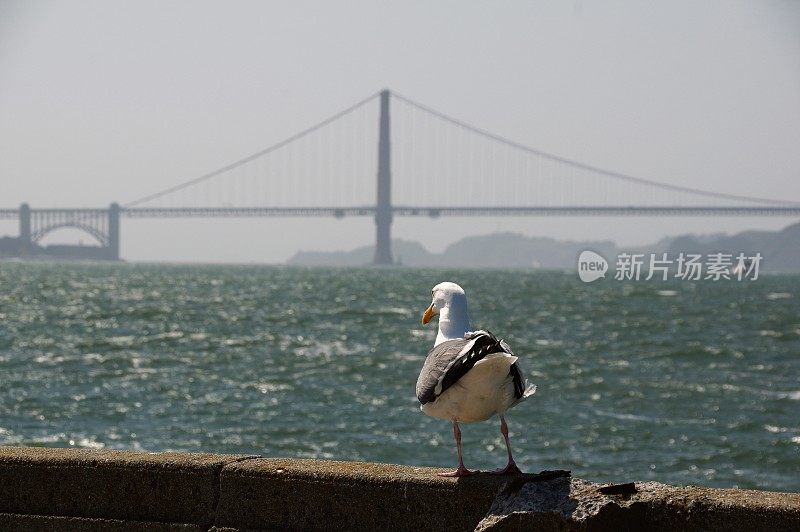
column 499, row 250
column 780, row 249
column 410, row 252
column 512, row 250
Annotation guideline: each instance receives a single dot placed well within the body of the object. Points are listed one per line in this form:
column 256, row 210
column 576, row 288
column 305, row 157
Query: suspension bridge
column 426, row 164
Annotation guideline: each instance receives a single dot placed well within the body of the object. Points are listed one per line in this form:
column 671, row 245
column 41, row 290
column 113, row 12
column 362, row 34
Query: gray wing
column 451, row 360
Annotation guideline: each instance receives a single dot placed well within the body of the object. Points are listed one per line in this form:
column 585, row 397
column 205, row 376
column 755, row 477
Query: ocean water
column 680, row 382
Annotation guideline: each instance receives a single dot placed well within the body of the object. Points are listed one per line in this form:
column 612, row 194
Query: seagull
column 468, row 376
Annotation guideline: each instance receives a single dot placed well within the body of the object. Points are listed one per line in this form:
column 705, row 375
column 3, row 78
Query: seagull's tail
column 523, row 388
column 530, row 389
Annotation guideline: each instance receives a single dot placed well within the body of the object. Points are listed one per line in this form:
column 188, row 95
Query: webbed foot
column 460, row 472
column 510, row 469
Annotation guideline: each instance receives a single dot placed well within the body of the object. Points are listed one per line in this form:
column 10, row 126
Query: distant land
column 780, row 251
column 12, row 247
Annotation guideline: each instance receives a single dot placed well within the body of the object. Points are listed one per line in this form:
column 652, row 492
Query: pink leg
column 461, row 471
column 511, row 468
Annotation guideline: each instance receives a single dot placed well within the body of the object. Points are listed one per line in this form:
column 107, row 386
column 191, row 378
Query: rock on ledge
column 75, row 489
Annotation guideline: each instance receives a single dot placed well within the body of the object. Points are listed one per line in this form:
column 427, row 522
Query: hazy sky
column 105, row 101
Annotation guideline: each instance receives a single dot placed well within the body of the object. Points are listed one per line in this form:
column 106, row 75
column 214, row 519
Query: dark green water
column 685, row 383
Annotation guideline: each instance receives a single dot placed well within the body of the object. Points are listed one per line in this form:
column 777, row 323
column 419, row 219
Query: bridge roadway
column 430, row 211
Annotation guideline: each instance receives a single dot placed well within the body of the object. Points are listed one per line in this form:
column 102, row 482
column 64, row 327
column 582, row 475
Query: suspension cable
column 583, row 166
column 253, row 156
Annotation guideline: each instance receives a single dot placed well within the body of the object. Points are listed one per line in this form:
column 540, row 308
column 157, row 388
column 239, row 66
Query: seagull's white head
column 449, row 302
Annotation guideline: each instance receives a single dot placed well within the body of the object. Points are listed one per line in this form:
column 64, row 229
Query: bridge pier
column 24, row 229
column 383, row 211
column 113, row 231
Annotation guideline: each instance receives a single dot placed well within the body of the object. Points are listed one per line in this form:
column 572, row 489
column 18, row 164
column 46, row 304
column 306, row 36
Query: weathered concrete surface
column 323, row 495
column 575, row 504
column 87, row 490
column 162, row 487
column 48, row 523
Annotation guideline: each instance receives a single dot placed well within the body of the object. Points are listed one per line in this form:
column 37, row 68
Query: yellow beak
column 426, row 317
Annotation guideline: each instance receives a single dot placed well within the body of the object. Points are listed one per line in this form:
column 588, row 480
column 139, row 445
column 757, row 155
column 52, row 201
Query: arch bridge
column 100, row 224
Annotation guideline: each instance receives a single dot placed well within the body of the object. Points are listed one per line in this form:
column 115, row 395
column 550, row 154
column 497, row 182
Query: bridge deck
column 433, row 212
column 574, row 210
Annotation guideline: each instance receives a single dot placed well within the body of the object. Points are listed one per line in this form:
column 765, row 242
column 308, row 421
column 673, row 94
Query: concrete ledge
column 72, row 489
column 317, row 494
column 132, row 486
column 28, row 523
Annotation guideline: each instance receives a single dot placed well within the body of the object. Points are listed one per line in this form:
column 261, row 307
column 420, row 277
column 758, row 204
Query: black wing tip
column 426, row 398
column 519, row 380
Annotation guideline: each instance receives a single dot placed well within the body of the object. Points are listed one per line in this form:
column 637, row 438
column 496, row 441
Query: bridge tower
column 383, row 210
column 113, row 231
column 25, row 229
